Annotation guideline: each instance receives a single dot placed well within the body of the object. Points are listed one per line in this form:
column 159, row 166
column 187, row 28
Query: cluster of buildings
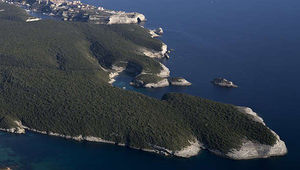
column 65, row 9
column 69, row 10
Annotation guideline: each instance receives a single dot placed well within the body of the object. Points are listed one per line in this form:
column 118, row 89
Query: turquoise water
column 253, row 43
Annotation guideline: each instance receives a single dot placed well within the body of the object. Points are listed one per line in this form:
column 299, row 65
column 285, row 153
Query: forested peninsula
column 54, row 79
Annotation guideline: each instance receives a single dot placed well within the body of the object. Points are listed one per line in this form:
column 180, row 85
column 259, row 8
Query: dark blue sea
column 254, row 43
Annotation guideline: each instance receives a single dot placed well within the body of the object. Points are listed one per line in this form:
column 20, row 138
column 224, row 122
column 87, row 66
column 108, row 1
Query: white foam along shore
column 251, row 150
column 191, row 150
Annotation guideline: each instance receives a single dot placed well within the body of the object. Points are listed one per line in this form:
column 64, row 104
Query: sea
column 254, row 43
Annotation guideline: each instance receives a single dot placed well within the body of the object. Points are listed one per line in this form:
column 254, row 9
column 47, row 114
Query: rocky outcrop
column 153, row 34
column 126, row 18
column 149, row 81
column 222, row 82
column 251, row 150
column 14, row 130
column 178, row 81
column 18, row 129
column 162, row 77
column 156, row 54
column 162, row 83
column 159, row 31
column 114, row 73
column 166, row 81
column 165, row 72
column 192, row 150
column 156, row 33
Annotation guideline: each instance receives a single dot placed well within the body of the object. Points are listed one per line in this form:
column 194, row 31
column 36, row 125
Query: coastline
column 248, row 150
column 253, row 150
column 95, row 139
column 188, row 151
column 122, row 17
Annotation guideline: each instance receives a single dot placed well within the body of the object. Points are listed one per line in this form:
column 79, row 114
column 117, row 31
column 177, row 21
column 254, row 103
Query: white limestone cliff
column 162, row 83
column 126, row 18
column 156, row 33
column 155, row 54
column 179, row 82
column 165, row 72
column 192, row 150
column 251, row 150
column 18, row 130
column 114, row 73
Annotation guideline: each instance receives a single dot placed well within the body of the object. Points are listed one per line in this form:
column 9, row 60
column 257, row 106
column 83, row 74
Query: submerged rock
column 222, row 82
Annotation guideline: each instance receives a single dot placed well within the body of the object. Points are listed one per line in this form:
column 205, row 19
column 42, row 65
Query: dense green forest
column 51, row 80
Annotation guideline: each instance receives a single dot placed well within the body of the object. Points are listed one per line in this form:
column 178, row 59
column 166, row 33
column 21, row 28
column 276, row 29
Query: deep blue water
column 255, row 43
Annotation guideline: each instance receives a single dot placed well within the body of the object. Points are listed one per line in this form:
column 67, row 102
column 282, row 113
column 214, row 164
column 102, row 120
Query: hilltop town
column 78, row 11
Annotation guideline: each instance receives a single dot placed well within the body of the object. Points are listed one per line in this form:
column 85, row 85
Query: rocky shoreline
column 248, row 150
column 253, row 150
column 164, row 73
column 111, row 17
column 163, row 53
column 186, row 152
column 179, row 81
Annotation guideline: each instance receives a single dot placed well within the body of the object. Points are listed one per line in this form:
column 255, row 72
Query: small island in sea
column 222, row 82
column 56, row 80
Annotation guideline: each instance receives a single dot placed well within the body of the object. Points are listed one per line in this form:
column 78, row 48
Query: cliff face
column 155, row 54
column 162, row 83
column 126, row 18
column 16, row 127
column 250, row 149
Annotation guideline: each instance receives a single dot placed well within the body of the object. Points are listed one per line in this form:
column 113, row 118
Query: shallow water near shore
column 253, row 43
